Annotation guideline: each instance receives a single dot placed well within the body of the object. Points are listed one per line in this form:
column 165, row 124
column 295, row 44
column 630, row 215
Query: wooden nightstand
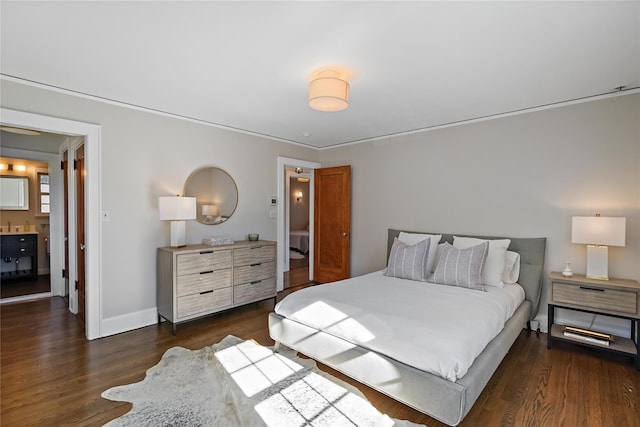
column 615, row 297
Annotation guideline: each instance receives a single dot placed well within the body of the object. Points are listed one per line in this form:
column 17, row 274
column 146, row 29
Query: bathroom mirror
column 14, row 193
column 216, row 194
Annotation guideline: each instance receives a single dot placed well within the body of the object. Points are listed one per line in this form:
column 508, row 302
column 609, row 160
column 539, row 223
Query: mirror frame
column 24, row 190
column 209, row 198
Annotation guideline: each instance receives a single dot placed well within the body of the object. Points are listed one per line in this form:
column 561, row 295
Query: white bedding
column 299, row 239
column 435, row 328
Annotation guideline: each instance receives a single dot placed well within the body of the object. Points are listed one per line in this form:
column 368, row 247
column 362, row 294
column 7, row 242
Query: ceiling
column 246, row 65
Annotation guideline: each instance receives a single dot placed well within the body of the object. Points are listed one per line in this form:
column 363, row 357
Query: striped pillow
column 409, row 262
column 461, row 267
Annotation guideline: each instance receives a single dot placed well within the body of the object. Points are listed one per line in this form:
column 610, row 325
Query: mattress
column 299, row 239
column 434, row 328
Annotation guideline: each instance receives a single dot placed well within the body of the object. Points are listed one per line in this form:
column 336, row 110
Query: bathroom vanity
column 19, row 255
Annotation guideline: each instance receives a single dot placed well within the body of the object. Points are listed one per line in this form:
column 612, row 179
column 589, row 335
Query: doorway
column 25, row 266
column 285, row 199
column 298, row 227
column 90, row 134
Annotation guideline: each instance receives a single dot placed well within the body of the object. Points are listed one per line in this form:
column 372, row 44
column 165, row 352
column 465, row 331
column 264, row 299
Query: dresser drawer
column 206, row 281
column 595, row 297
column 251, row 273
column 254, row 254
column 197, row 262
column 253, row 291
column 192, row 305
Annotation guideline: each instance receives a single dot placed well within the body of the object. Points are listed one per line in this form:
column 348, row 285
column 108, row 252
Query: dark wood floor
column 14, row 288
column 52, row 376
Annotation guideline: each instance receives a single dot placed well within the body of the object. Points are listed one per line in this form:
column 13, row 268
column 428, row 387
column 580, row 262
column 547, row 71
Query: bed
column 360, row 352
column 299, row 240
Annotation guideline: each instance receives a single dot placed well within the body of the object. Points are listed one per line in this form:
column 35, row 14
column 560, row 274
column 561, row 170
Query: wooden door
column 80, row 230
column 65, row 180
column 332, row 223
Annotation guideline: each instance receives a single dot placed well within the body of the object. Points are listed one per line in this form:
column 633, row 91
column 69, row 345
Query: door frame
column 92, row 140
column 282, row 214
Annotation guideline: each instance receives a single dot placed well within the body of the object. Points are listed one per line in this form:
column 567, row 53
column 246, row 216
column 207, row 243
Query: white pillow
column 494, row 266
column 413, row 238
column 511, row 267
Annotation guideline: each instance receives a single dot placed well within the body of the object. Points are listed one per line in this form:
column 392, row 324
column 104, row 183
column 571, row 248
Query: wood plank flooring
column 52, row 376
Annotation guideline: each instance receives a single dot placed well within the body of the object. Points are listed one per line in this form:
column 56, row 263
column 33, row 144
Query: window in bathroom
column 43, row 194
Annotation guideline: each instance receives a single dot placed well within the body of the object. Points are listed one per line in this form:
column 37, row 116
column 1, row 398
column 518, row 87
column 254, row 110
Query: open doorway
column 25, row 230
column 300, row 268
column 90, row 135
column 298, row 227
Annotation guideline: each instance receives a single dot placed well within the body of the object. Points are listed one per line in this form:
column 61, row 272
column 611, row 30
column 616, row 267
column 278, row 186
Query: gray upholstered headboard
column 531, row 252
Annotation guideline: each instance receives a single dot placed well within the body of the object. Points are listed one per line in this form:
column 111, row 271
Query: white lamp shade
column 598, row 230
column 209, row 210
column 328, row 94
column 177, row 208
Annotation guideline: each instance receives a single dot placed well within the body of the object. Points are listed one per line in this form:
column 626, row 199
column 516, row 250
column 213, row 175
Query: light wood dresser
column 198, row 280
column 615, row 297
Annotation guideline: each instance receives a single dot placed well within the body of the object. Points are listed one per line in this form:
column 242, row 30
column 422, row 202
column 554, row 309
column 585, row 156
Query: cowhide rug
column 241, row 383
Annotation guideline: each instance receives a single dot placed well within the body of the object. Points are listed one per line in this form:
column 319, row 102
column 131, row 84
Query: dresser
column 19, row 255
column 198, row 280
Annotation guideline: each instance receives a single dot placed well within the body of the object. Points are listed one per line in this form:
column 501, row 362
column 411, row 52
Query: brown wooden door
column 80, row 241
column 65, row 179
column 332, row 223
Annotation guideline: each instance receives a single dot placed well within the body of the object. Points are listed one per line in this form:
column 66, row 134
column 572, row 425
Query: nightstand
column 615, row 297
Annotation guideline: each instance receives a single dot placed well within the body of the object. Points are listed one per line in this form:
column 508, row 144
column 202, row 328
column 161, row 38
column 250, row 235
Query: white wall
column 144, row 156
column 523, row 176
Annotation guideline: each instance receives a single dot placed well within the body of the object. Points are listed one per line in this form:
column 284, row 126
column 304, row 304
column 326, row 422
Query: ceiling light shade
column 328, row 92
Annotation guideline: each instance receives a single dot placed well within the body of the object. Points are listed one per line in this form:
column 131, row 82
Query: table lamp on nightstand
column 176, row 209
column 598, row 232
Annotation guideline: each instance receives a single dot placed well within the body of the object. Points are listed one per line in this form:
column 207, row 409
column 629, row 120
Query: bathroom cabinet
column 19, row 255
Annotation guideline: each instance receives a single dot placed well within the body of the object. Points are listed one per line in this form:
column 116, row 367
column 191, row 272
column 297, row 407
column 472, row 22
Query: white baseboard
column 128, row 322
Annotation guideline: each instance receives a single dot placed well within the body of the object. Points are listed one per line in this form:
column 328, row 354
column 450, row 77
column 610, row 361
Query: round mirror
column 216, row 194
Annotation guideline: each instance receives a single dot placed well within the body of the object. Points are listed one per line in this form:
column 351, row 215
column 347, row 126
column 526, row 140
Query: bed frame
column 444, row 400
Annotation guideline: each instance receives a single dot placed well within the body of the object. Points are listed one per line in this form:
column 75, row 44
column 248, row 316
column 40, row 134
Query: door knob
column 82, row 246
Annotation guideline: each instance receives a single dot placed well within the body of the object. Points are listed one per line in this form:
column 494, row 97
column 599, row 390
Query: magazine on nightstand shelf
column 587, row 335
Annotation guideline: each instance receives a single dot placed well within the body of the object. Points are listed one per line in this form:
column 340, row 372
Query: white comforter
column 435, row 328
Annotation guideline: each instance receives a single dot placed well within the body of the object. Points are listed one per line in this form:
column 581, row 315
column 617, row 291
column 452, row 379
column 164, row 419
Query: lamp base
column 178, row 234
column 597, row 262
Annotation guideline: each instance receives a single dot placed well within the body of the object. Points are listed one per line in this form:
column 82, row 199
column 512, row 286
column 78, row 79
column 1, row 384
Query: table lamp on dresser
column 177, row 209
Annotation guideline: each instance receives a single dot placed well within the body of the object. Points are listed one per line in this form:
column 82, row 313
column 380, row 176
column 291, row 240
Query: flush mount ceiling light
column 328, row 91
column 20, row 131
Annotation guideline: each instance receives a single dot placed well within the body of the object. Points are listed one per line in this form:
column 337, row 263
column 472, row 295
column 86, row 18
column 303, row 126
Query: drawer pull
column 206, row 272
column 255, row 247
column 206, row 292
column 256, row 281
column 592, row 289
column 22, row 239
column 22, row 249
column 256, row 264
column 206, row 252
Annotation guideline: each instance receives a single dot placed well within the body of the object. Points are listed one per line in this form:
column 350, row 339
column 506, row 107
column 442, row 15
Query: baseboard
column 128, row 322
